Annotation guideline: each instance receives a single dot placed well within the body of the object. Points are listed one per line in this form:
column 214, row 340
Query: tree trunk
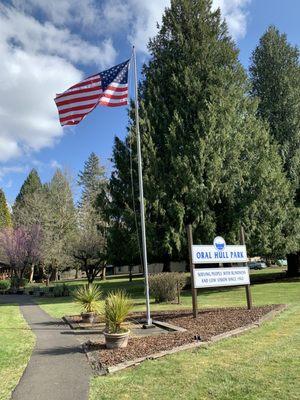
column 53, row 276
column 31, row 273
column 268, row 262
column 76, row 273
column 293, row 269
column 103, row 276
column 166, row 263
column 130, row 273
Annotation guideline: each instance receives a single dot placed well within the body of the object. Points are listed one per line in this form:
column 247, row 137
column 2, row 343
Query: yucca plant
column 89, row 297
column 117, row 308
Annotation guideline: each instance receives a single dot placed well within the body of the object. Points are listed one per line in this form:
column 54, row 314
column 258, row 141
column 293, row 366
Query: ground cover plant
column 16, row 344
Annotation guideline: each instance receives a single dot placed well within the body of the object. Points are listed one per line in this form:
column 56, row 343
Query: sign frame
column 222, row 245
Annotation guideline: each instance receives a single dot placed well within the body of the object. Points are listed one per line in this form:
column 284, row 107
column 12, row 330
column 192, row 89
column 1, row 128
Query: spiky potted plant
column 88, row 297
column 117, row 308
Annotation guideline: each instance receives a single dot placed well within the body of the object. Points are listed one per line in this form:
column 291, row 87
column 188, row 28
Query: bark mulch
column 209, row 323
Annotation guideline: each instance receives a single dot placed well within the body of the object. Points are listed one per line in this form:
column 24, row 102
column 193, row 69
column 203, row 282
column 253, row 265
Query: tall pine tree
column 91, row 179
column 61, row 229
column 275, row 76
column 91, row 247
column 5, row 217
column 204, row 150
column 31, row 185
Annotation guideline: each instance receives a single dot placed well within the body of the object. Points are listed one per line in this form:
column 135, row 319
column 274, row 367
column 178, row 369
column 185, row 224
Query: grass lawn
column 263, row 364
column 262, row 294
column 16, row 344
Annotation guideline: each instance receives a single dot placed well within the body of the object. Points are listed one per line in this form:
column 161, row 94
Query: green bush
column 117, row 308
column 60, row 290
column 17, row 282
column 44, row 291
column 57, row 291
column 36, row 290
column 166, row 286
column 5, row 285
column 88, row 297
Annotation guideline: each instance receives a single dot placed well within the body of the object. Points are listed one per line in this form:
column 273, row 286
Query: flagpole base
column 148, row 324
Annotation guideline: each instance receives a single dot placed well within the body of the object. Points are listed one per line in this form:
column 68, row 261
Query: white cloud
column 24, row 31
column 234, row 11
column 36, row 63
column 140, row 17
column 143, row 16
column 63, row 12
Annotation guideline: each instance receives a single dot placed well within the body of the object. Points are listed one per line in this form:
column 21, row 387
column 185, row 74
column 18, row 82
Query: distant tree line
column 220, row 147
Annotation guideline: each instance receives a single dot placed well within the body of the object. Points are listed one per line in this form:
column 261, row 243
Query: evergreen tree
column 204, row 151
column 90, row 248
column 120, row 211
column 61, row 224
column 5, row 217
column 275, row 75
column 91, row 179
column 31, row 185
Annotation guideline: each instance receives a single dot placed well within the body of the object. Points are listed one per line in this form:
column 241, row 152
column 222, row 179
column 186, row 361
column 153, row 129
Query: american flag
column 108, row 88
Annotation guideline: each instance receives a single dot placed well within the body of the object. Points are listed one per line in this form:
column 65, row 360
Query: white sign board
column 219, row 252
column 214, row 277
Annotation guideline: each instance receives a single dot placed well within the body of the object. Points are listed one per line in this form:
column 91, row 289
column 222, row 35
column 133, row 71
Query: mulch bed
column 209, row 323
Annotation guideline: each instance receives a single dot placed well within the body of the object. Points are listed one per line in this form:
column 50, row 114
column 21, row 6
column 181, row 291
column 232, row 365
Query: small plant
column 117, row 307
column 166, row 286
column 4, row 285
column 88, row 297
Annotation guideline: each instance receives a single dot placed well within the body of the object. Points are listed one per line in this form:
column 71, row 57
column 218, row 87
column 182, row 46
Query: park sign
column 219, row 253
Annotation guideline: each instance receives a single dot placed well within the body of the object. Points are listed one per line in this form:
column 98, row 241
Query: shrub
column 88, row 297
column 166, row 286
column 4, row 285
column 44, row 291
column 66, row 291
column 17, row 282
column 117, row 308
column 36, row 290
column 57, row 291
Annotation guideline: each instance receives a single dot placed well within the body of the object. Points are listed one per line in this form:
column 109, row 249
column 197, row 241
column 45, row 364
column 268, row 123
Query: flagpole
column 141, row 191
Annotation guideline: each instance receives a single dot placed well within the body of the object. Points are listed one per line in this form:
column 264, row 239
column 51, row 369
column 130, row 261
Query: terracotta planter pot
column 116, row 340
column 88, row 317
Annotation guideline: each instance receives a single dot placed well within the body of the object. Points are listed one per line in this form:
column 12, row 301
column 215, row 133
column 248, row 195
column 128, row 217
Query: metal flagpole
column 141, row 191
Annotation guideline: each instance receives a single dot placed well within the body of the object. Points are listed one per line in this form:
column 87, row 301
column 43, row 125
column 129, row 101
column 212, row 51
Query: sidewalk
column 58, row 369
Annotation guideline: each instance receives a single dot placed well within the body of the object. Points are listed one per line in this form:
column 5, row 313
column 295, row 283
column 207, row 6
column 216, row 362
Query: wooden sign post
column 192, row 267
column 247, row 287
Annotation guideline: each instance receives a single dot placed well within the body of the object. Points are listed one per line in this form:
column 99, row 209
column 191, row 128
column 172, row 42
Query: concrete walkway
column 58, row 369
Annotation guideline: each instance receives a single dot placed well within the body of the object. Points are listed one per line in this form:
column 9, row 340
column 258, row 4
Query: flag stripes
column 108, row 88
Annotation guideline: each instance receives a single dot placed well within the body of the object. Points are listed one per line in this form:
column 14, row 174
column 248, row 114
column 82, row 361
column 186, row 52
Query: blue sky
column 49, row 45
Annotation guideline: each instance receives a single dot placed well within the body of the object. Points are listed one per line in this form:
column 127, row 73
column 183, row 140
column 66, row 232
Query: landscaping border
column 99, row 370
